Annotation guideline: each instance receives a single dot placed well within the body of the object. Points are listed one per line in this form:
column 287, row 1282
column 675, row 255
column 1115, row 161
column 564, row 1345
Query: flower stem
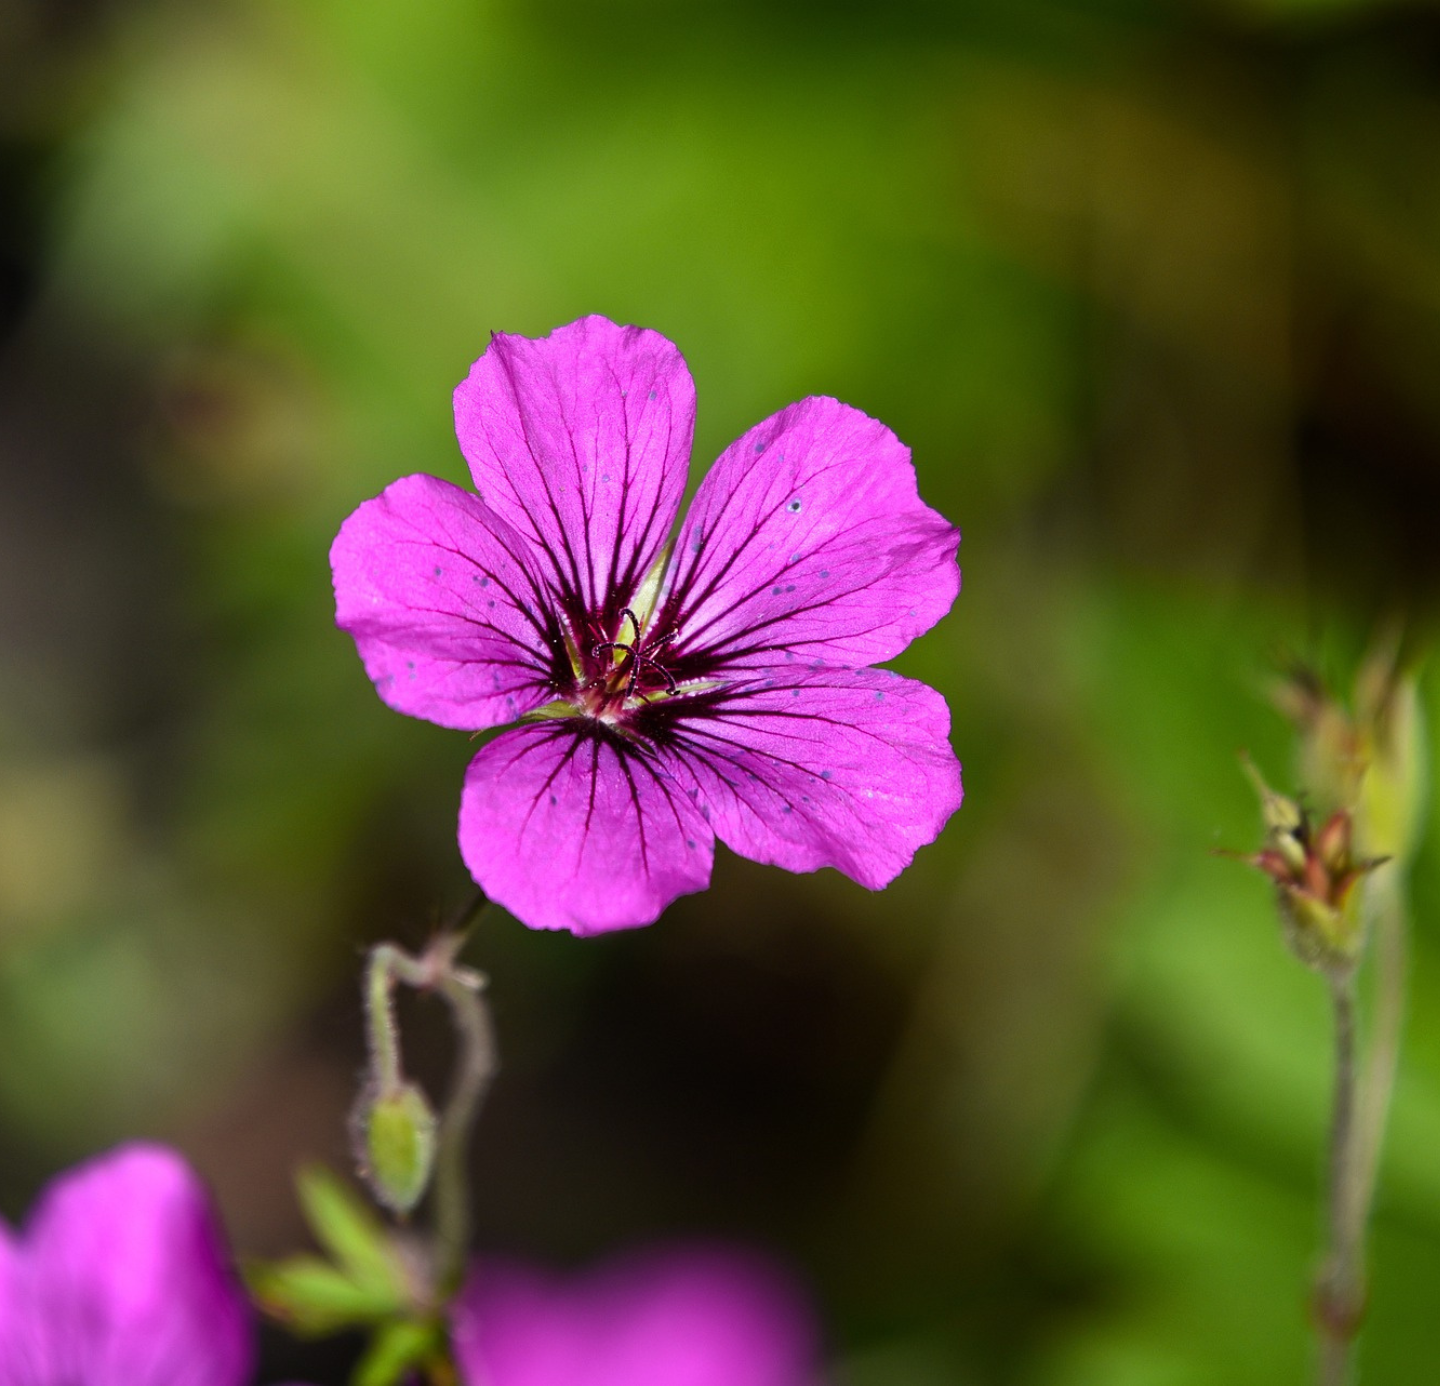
column 388, row 964
column 437, row 970
column 1362, row 1109
column 1386, row 893
column 475, row 1067
column 1339, row 1291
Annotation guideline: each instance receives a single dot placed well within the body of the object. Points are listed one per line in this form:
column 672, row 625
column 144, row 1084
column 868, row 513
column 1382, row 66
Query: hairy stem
column 436, row 970
column 388, row 964
column 474, row 1069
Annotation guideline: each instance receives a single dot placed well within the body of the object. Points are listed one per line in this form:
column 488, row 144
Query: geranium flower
column 722, row 693
column 698, row 1316
column 120, row 1278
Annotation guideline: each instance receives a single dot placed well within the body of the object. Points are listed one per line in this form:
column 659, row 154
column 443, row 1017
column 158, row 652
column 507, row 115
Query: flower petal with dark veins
column 445, row 607
column 569, row 825
column 803, row 769
column 808, row 536
column 581, row 440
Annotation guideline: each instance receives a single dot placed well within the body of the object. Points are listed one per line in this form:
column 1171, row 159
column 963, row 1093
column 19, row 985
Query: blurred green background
column 1152, row 290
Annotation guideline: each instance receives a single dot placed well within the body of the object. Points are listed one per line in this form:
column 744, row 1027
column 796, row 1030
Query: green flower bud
column 397, row 1138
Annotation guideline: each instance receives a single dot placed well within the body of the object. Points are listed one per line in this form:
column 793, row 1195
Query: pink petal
column 845, row 768
column 127, row 1282
column 581, row 440
column 9, row 1297
column 691, row 1317
column 808, row 536
column 513, row 1326
column 569, row 826
column 440, row 596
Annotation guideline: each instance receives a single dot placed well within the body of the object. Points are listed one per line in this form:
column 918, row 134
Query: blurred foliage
column 1152, row 289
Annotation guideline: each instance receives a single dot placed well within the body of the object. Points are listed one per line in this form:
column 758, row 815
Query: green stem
column 475, row 1067
column 388, row 964
column 437, row 970
column 1339, row 1290
column 1386, row 893
column 469, row 914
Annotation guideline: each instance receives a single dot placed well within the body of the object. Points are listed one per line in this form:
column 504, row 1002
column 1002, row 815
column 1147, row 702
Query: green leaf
column 312, row 1297
column 395, row 1349
column 345, row 1226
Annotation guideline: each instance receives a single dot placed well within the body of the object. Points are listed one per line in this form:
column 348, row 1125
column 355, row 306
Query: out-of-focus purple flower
column 696, row 1316
column 722, row 693
column 120, row 1278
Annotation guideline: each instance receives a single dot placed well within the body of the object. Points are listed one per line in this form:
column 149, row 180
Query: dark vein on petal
column 639, row 812
column 525, row 433
column 542, row 744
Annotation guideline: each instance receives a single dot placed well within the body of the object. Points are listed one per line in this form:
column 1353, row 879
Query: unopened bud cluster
column 1315, row 871
column 1365, row 768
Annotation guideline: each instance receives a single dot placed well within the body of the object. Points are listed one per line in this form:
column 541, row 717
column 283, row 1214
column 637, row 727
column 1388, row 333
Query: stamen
column 640, row 652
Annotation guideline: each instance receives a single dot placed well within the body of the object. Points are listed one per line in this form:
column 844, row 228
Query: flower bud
column 1315, row 871
column 396, row 1133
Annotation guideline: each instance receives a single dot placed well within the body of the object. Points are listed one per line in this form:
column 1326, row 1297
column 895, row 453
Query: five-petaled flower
column 665, row 697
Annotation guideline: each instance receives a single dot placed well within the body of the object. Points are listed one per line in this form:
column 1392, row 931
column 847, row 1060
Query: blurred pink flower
column 689, row 1316
column 724, row 692
column 121, row 1278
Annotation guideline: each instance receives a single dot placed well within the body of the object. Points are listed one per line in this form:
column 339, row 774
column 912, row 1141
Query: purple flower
column 699, row 1316
column 722, row 692
column 120, row 1278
